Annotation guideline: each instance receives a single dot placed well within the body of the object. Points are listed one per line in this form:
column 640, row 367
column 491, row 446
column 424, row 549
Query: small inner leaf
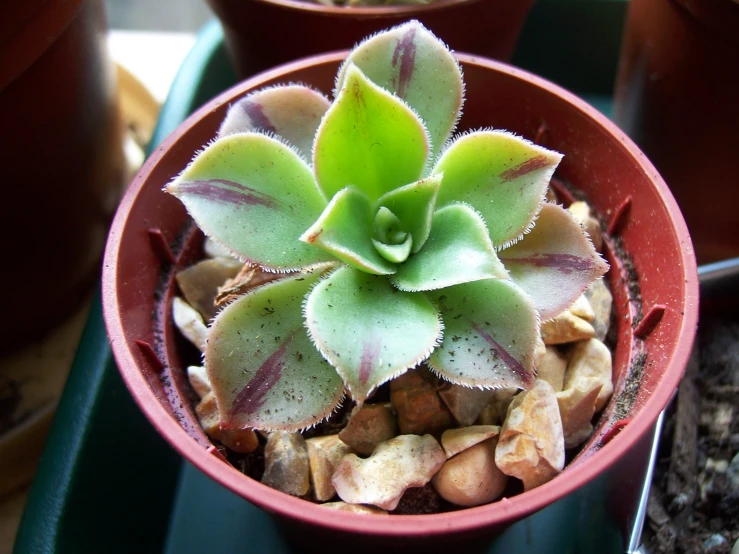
column 458, row 250
column 255, row 196
column 414, row 206
column 345, row 230
column 264, row 370
column 368, row 330
column 395, row 252
column 491, row 328
column 555, row 262
column 370, row 139
column 386, row 224
column 502, row 176
column 411, row 62
column 292, row 112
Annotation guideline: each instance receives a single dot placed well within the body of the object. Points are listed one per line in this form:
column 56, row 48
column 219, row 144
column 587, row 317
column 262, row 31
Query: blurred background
column 162, row 15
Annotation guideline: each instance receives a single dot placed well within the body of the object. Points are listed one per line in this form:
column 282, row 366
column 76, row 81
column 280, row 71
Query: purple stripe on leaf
column 530, row 165
column 513, row 364
column 255, row 113
column 370, row 354
column 222, row 191
column 252, row 396
column 405, row 52
column 564, row 263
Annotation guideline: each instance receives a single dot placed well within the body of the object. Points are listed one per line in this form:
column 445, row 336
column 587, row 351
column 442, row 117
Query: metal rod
column 641, row 512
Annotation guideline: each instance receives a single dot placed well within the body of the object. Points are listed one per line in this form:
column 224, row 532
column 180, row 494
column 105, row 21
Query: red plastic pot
column 261, row 34
column 152, row 237
column 676, row 96
column 62, row 159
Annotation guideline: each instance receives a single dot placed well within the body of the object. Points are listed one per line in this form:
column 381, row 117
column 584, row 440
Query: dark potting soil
column 694, row 501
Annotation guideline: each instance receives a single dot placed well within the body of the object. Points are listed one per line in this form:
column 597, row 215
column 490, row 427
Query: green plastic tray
column 108, row 483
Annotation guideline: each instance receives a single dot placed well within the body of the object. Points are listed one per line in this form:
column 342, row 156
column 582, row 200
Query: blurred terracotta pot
column 152, row 238
column 677, row 95
column 62, row 159
column 264, row 33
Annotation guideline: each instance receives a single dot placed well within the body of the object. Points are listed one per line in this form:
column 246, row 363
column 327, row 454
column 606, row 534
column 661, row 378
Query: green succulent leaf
column 504, row 177
column 414, row 205
column 411, row 62
column 362, row 326
column 555, row 262
column 369, row 139
column 491, row 329
column 345, row 231
column 264, row 370
column 386, row 225
column 255, row 196
column 458, row 250
column 395, row 253
column 292, row 112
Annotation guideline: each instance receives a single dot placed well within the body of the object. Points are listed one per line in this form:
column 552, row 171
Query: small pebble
column 199, row 283
column 591, row 361
column 531, row 444
column 454, row 441
column 419, row 408
column 551, row 368
column 471, row 478
column 286, row 463
column 576, row 408
column 464, row 403
column 324, row 454
column 395, row 466
column 582, row 213
column 582, row 309
column 199, row 381
column 566, row 327
column 368, row 427
column 190, row 323
column 238, row 440
column 601, row 301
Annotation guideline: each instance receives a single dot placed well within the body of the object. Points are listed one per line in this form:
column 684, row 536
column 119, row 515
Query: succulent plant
column 399, row 245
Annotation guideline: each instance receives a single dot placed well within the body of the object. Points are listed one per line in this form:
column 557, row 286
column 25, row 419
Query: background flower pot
column 152, row 236
column 62, row 159
column 265, row 33
column 676, row 96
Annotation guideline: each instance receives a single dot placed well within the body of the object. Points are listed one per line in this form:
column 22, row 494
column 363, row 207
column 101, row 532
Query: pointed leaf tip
column 502, row 176
column 491, row 330
column 255, row 196
column 555, row 262
column 368, row 330
column 264, row 370
column 355, row 145
column 292, row 112
column 409, row 61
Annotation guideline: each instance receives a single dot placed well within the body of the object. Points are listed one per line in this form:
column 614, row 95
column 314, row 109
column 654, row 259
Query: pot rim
column 366, row 12
column 497, row 513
